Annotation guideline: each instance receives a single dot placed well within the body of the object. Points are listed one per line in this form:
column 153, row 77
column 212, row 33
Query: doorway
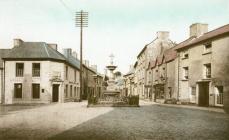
column 55, row 93
column 203, row 93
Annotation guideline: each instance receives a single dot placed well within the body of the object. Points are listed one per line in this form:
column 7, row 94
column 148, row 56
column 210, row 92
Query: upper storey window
column 185, row 55
column 19, row 69
column 36, row 70
column 208, row 48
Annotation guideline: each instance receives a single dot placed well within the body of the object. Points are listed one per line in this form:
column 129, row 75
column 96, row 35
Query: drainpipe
column 166, row 81
column 2, row 86
column 178, row 76
column 3, row 83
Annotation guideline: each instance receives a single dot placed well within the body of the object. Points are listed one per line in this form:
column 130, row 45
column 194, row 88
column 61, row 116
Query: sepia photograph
column 114, row 69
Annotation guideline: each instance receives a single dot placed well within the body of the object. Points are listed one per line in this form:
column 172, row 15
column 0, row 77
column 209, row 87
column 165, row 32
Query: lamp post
column 95, row 79
column 131, row 78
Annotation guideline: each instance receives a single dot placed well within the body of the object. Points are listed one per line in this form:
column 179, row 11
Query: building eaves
column 3, row 53
column 142, row 51
column 224, row 30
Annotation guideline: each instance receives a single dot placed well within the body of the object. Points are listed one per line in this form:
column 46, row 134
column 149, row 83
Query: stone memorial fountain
column 111, row 89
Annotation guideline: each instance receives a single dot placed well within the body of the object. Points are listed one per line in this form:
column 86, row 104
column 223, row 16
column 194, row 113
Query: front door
column 55, row 92
column 204, row 94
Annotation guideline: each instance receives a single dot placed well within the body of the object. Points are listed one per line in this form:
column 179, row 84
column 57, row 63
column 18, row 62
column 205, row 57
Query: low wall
column 124, row 101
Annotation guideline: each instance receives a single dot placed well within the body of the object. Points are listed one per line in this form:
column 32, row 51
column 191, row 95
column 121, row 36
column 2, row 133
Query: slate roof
column 206, row 36
column 41, row 51
column 33, row 50
column 73, row 61
column 153, row 64
column 3, row 53
column 143, row 49
column 160, row 59
column 170, row 54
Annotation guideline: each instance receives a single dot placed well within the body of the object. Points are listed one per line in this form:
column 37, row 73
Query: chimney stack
column 163, row 35
column 86, row 62
column 54, row 46
column 198, row 29
column 94, row 67
column 131, row 67
column 67, row 52
column 75, row 55
column 17, row 42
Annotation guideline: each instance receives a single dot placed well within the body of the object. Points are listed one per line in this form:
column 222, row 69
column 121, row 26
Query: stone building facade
column 3, row 53
column 92, row 82
column 140, row 71
column 164, row 76
column 150, row 53
column 203, row 66
column 193, row 71
column 129, row 82
column 35, row 72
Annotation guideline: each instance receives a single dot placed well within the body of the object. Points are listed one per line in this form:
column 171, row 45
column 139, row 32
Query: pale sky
column 121, row 27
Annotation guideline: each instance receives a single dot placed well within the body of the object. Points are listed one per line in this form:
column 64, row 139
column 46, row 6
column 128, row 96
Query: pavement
column 150, row 121
column 210, row 109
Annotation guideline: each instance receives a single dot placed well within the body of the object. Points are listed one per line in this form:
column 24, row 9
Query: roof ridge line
column 46, row 50
column 215, row 29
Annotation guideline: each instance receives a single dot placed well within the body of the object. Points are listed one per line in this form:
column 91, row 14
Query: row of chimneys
column 67, row 52
column 196, row 30
column 18, row 42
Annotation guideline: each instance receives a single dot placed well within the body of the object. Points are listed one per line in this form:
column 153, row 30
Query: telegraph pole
column 81, row 20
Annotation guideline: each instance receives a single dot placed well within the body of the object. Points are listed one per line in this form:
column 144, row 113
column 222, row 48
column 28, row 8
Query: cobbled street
column 76, row 121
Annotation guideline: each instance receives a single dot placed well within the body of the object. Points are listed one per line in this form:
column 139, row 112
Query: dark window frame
column 70, row 90
column 186, row 72
column 208, row 70
column 19, row 70
column 36, row 70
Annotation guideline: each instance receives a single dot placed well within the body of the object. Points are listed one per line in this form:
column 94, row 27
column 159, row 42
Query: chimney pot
column 74, row 54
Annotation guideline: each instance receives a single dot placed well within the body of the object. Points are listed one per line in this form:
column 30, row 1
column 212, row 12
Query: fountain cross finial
column 111, row 59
